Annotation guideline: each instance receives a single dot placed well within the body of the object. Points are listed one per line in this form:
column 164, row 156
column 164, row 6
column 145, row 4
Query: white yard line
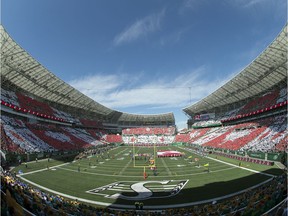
column 42, row 169
column 244, row 168
column 124, row 168
column 166, row 167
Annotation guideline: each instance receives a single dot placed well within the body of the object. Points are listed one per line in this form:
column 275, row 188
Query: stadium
column 62, row 153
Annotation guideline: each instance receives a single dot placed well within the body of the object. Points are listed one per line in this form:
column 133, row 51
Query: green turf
column 76, row 178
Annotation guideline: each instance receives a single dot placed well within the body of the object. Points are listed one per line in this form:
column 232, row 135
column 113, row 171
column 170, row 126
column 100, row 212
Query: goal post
column 151, row 162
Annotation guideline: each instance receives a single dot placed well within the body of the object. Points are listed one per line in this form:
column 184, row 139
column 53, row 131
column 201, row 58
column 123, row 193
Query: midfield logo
column 131, row 190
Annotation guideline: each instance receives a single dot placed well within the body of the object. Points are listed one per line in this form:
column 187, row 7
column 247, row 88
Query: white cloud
column 92, row 85
column 174, row 37
column 138, row 95
column 140, row 28
column 174, row 92
column 188, row 5
column 249, row 3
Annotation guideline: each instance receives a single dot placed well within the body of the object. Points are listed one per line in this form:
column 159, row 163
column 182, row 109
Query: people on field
column 136, row 205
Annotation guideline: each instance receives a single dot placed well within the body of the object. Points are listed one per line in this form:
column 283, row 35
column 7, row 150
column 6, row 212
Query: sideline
column 244, row 168
column 40, row 170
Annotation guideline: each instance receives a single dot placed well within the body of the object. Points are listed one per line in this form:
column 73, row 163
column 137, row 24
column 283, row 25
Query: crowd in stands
column 282, row 95
column 192, row 135
column 36, row 137
column 113, row 138
column 269, row 137
column 149, row 135
column 265, row 103
column 146, row 139
column 64, row 115
column 252, row 202
column 18, row 134
column 273, row 138
column 9, row 97
column 266, row 135
column 7, row 145
column 149, row 131
column 25, row 104
column 97, row 134
column 266, row 100
column 269, row 134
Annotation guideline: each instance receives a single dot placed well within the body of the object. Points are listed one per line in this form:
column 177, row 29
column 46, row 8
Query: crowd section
column 23, row 136
column 35, row 105
column 113, row 138
column 266, row 100
column 251, row 202
column 64, row 115
column 25, row 104
column 149, row 131
column 7, row 145
column 274, row 137
column 265, row 103
column 266, row 135
column 9, row 97
column 148, row 139
column 148, row 135
column 19, row 135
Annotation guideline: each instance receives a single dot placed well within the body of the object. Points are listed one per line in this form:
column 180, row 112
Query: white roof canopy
column 267, row 70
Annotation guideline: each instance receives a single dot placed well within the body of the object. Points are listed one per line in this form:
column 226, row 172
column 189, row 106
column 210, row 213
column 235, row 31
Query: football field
column 117, row 177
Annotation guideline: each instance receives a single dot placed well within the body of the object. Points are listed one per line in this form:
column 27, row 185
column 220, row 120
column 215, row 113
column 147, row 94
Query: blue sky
column 144, row 57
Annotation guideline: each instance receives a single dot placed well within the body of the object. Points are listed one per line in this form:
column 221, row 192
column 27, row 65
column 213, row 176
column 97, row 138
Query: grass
column 117, row 166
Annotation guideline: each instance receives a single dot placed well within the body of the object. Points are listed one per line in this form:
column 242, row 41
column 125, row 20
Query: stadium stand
column 265, row 135
column 9, row 97
column 113, row 138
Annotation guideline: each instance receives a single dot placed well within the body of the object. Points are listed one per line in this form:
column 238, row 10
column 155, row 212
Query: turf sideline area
column 149, row 207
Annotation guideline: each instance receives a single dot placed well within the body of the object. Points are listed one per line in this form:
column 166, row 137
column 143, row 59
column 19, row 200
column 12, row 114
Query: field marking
column 166, row 167
column 113, row 175
column 115, row 189
column 251, row 170
column 42, row 169
column 125, row 149
column 125, row 167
